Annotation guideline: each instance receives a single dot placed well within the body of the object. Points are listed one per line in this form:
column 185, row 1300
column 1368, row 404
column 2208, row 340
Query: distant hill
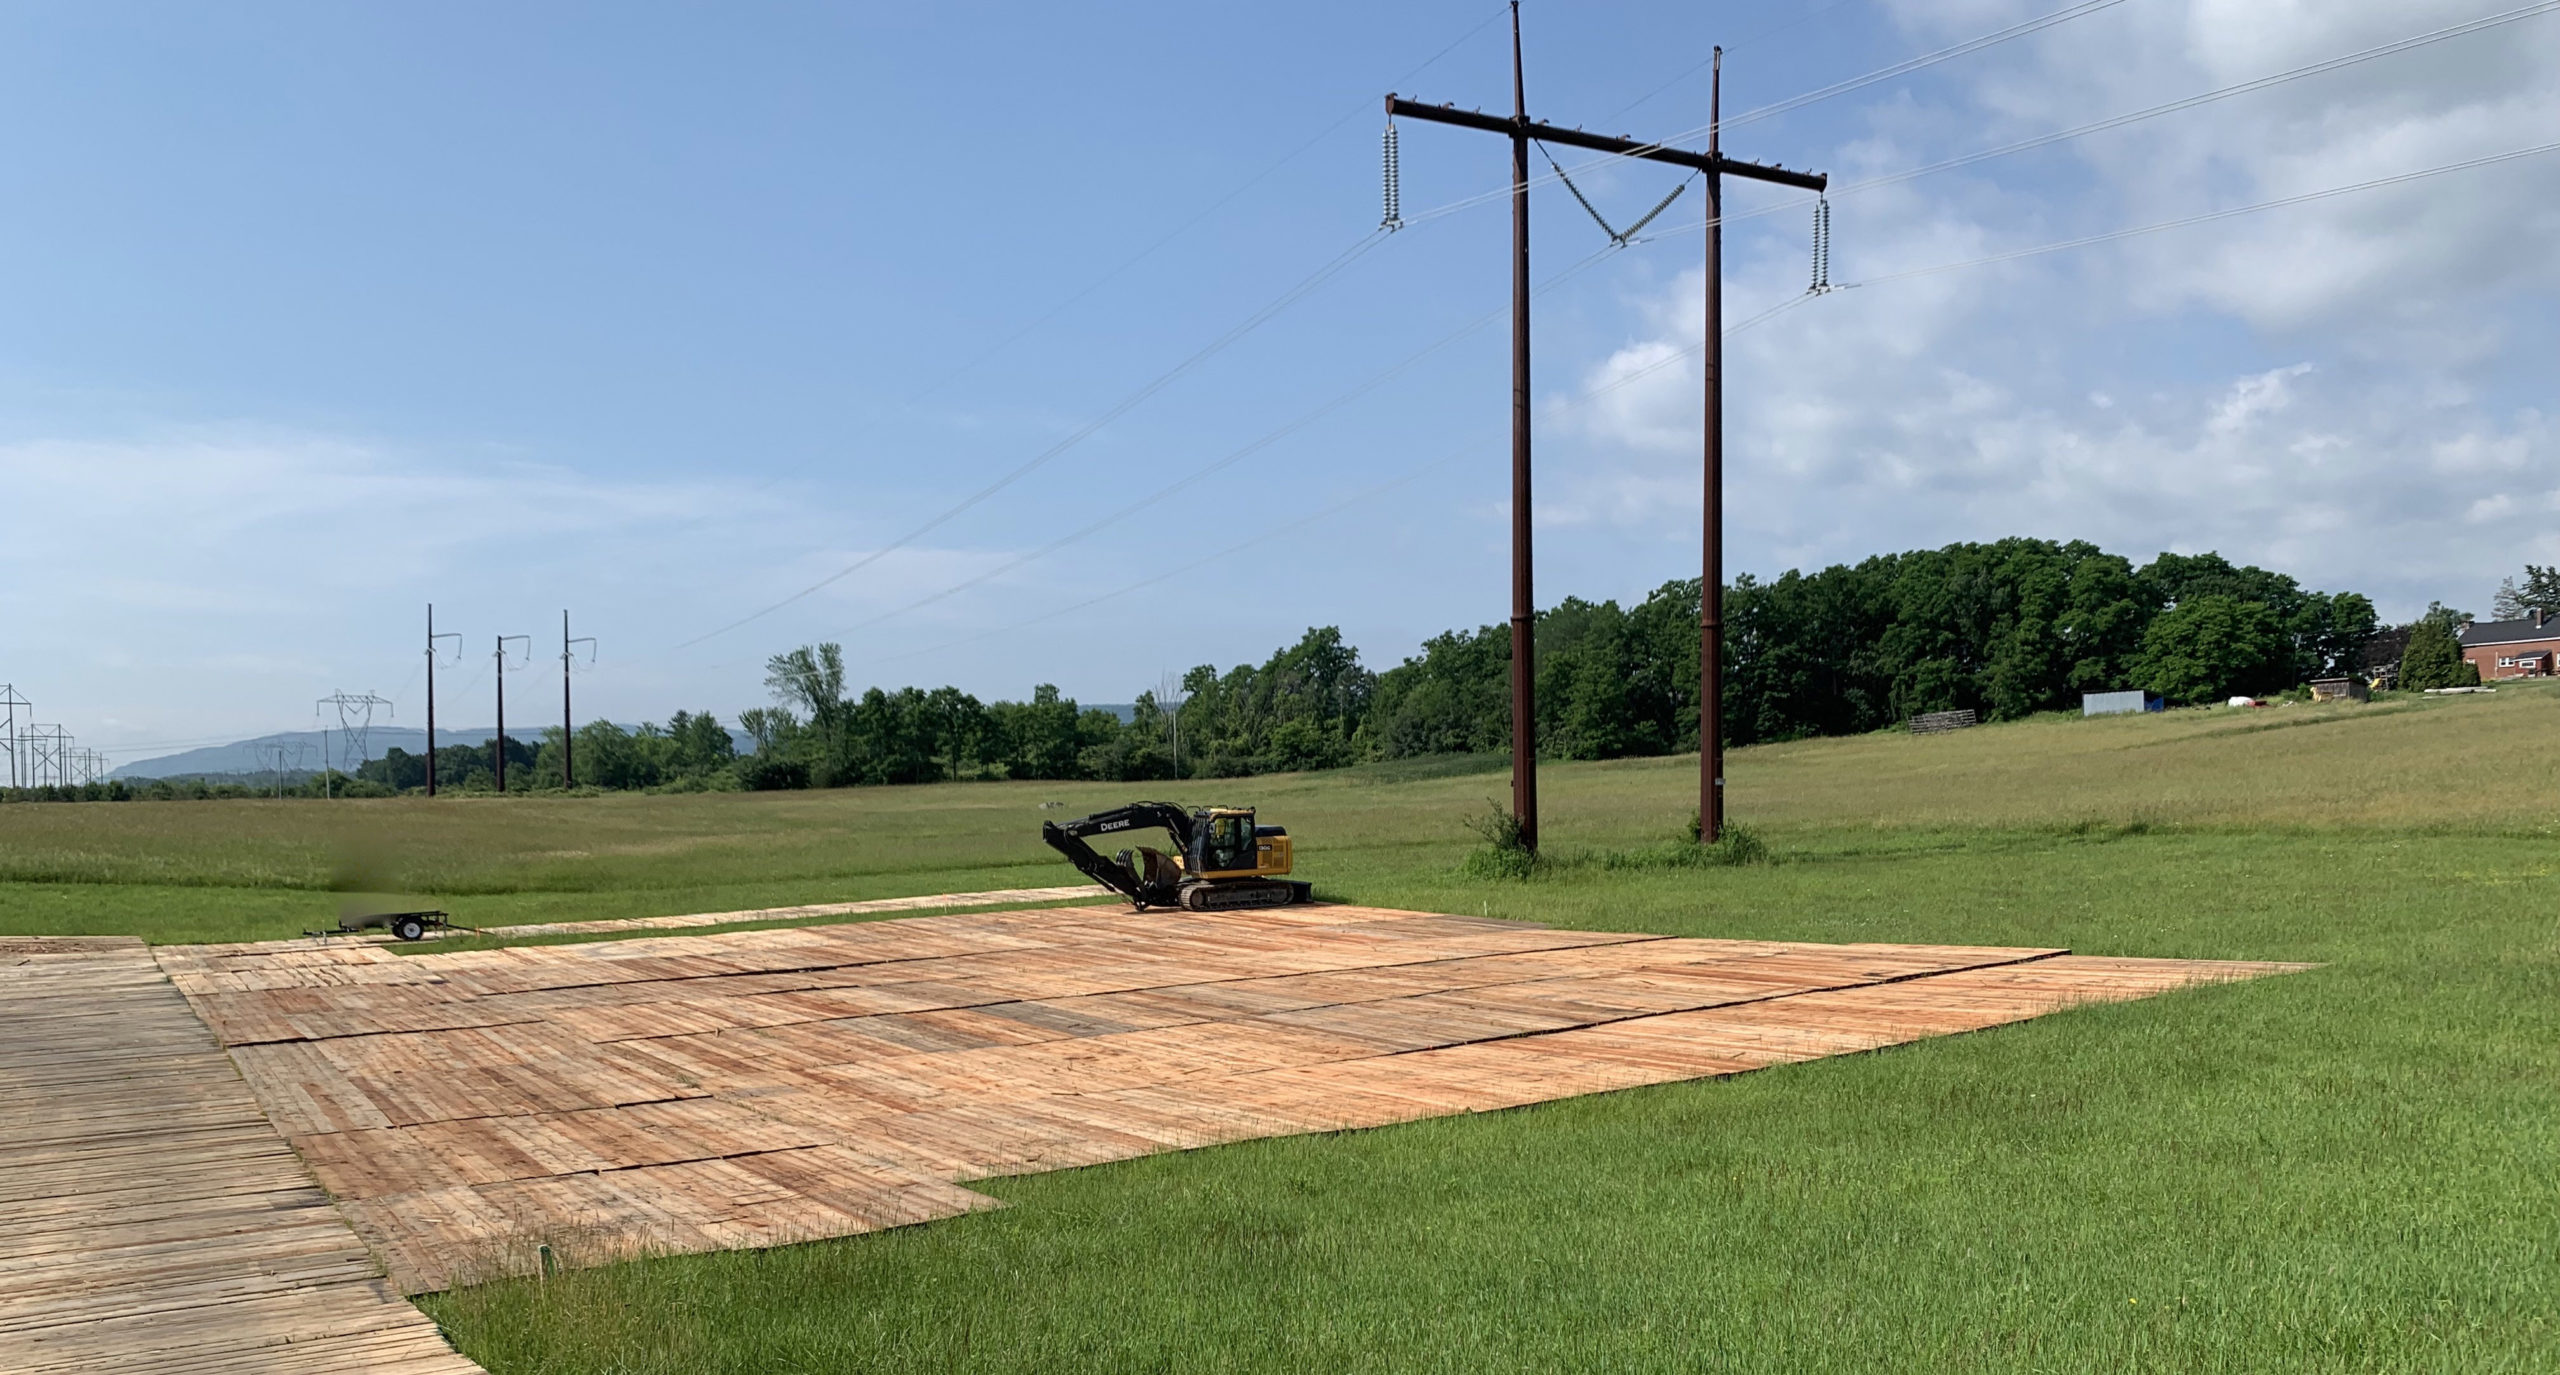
column 219, row 763
column 242, row 759
column 302, row 752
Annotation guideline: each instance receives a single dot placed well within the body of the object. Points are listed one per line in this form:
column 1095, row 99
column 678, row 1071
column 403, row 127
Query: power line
column 2205, row 98
column 1730, row 48
column 1365, row 495
column 1902, row 68
column 2209, row 216
column 1682, row 355
column 2322, row 68
column 1314, row 282
column 1150, row 250
column 1905, row 68
column 1305, row 287
column 1177, row 232
column 1239, row 455
column 1195, row 221
column 2251, row 86
column 1324, row 274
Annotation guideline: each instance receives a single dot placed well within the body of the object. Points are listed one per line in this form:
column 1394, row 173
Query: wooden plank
column 150, row 1218
column 688, row 1092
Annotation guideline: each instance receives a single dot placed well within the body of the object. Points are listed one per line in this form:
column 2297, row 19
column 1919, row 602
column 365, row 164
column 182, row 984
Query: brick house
column 2521, row 648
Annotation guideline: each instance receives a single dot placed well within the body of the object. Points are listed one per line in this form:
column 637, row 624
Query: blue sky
column 310, row 314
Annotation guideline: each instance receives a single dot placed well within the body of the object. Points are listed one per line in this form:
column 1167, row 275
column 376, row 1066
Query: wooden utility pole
column 1524, row 601
column 432, row 637
column 568, row 721
column 498, row 747
column 1711, row 540
column 1715, row 165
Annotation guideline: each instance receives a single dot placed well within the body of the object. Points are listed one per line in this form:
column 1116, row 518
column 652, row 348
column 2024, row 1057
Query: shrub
column 1738, row 845
column 1505, row 853
column 759, row 774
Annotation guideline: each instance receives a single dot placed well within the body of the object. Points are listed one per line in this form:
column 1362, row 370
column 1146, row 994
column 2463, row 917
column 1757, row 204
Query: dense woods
column 2008, row 629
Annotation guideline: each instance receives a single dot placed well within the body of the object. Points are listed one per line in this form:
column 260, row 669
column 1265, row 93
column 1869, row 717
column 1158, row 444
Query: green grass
column 2348, row 1169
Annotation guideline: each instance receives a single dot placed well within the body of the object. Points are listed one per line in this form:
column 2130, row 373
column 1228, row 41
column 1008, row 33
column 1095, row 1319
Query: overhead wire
column 1196, row 220
column 1905, row 68
column 1205, row 471
column 2321, row 68
column 1305, row 287
column 2394, row 48
column 1798, row 22
column 2251, row 86
column 1902, row 68
column 1692, row 350
column 1368, row 494
column 1299, row 292
column 2208, row 217
column 1973, row 45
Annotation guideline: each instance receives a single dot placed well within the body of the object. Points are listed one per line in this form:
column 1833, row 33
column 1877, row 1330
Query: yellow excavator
column 1220, row 858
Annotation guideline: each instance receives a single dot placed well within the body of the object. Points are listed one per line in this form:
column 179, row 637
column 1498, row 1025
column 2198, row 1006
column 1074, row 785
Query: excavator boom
column 1130, row 881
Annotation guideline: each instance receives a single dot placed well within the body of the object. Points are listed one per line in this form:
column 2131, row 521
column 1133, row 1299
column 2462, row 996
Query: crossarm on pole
column 1604, row 143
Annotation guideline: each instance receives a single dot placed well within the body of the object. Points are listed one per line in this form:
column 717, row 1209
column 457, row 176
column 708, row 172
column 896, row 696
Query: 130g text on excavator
column 1220, row 858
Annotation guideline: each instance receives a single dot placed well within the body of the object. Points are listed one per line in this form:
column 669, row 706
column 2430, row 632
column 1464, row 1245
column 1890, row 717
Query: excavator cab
column 1224, row 846
column 1220, row 857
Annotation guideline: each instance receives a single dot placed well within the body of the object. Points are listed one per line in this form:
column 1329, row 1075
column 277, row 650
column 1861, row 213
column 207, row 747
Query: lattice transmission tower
column 355, row 729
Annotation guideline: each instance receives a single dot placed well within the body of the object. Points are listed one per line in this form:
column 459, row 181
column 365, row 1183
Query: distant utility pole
column 1521, row 130
column 1169, row 698
column 432, row 637
column 568, row 722
column 280, row 749
column 10, row 702
column 498, row 747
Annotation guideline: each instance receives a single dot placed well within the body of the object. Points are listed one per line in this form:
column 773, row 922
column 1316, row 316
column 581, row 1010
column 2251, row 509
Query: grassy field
column 2349, row 1169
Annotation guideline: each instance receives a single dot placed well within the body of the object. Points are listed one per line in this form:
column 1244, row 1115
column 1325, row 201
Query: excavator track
column 1220, row 897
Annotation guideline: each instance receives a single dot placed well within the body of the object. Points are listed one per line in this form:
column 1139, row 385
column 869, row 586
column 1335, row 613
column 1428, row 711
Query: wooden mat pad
column 150, row 1217
column 482, row 1113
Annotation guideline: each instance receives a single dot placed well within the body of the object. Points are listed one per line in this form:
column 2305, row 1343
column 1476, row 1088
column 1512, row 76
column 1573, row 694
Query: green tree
column 810, row 678
column 2213, row 646
column 2539, row 589
column 1037, row 739
column 2434, row 657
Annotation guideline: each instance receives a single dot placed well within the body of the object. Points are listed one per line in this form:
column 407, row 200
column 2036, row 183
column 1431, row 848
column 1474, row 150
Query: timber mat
column 494, row 1112
column 150, row 1218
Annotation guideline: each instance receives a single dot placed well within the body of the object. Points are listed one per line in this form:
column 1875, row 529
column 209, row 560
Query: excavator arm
column 1147, row 886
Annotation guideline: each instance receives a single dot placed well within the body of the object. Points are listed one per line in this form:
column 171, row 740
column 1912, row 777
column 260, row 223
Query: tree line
column 2008, row 629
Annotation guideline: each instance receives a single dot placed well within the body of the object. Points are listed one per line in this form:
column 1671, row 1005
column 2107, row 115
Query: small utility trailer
column 407, row 926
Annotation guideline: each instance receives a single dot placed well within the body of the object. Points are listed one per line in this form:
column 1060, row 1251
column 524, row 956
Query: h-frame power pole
column 1521, row 129
column 568, row 722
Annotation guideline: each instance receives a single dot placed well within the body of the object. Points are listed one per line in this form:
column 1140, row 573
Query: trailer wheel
column 409, row 929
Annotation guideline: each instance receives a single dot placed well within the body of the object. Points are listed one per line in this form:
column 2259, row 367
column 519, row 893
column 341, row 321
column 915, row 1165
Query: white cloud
column 2123, row 393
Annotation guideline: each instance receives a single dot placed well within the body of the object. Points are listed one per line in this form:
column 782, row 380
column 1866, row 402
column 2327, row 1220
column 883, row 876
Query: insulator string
column 1394, row 217
column 1821, row 255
